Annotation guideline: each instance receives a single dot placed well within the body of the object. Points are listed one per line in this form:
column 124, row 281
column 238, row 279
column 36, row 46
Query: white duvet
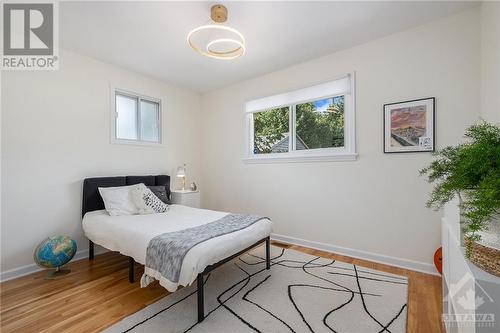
column 130, row 235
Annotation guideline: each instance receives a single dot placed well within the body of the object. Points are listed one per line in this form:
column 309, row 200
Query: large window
column 136, row 118
column 303, row 128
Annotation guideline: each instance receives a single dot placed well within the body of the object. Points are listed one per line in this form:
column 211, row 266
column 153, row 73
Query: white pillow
column 118, row 200
column 147, row 202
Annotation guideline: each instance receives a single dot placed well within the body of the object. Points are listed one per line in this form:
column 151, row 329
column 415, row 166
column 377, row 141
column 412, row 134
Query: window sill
column 137, row 143
column 295, row 158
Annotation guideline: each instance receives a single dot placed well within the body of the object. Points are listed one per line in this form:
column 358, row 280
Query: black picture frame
column 408, row 145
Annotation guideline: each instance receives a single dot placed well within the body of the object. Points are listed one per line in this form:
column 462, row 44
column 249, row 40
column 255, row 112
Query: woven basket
column 486, row 258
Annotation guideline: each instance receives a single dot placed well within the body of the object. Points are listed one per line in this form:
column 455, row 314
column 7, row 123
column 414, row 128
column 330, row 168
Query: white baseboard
column 33, row 268
column 359, row 254
column 379, row 258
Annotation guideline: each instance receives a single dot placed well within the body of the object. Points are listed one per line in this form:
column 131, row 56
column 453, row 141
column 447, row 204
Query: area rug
column 300, row 293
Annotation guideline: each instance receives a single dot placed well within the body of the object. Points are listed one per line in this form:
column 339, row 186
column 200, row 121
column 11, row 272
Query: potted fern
column 471, row 170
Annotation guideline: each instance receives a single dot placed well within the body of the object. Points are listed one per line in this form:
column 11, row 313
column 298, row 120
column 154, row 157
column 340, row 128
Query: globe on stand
column 54, row 252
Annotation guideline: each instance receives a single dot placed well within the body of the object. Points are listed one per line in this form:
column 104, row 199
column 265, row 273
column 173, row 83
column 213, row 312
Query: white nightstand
column 186, row 198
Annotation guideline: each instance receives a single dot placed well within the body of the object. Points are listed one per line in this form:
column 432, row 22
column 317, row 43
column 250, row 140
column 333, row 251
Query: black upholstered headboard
column 92, row 199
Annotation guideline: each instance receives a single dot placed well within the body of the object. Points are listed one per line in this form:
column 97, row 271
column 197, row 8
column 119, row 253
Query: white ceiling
column 150, row 37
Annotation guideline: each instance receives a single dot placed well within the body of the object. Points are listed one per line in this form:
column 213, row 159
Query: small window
column 311, row 124
column 136, row 118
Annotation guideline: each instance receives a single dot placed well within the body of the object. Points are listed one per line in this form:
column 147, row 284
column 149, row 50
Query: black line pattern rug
column 300, row 293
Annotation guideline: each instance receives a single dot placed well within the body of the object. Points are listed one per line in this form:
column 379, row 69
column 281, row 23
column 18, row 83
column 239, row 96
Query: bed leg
column 201, row 305
column 91, row 250
column 131, row 263
column 268, row 253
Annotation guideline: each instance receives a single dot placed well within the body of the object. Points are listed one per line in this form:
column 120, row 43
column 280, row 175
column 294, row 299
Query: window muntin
column 136, row 118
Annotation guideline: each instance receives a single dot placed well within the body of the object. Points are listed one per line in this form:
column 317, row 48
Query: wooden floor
column 97, row 294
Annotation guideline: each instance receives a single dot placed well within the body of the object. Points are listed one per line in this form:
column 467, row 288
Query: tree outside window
column 318, row 124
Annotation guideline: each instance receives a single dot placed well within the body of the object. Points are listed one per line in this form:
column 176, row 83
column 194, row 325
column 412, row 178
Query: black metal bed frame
column 93, row 201
column 199, row 278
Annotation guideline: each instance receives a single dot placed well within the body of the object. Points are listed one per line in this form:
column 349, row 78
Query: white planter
column 491, row 237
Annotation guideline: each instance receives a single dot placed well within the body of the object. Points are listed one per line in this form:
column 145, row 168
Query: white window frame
column 346, row 153
column 113, row 92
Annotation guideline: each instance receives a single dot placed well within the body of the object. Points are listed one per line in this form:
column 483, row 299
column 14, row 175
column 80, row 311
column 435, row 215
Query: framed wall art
column 409, row 126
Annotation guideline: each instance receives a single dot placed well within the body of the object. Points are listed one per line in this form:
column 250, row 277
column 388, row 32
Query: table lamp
column 181, row 173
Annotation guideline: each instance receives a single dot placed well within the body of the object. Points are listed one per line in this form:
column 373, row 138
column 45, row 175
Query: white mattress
column 130, row 235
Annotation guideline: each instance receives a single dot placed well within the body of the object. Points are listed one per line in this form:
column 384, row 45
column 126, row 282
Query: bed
column 130, row 234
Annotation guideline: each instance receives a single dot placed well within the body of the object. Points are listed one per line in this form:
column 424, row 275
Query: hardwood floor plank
column 97, row 294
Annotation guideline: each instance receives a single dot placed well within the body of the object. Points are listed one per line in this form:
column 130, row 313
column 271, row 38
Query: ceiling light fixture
column 229, row 43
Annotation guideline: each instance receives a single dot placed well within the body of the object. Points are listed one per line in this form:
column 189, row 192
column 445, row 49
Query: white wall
column 490, row 61
column 55, row 132
column 376, row 203
column 373, row 204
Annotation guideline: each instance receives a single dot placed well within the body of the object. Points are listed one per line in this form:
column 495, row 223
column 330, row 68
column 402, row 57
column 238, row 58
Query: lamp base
column 57, row 274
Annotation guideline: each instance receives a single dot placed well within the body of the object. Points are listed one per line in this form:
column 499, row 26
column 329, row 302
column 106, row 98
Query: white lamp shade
column 181, row 171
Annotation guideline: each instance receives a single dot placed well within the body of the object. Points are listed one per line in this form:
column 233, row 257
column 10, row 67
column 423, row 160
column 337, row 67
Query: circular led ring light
column 231, row 54
column 240, row 48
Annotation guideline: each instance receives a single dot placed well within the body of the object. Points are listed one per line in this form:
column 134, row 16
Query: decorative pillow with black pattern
column 160, row 192
column 147, row 202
